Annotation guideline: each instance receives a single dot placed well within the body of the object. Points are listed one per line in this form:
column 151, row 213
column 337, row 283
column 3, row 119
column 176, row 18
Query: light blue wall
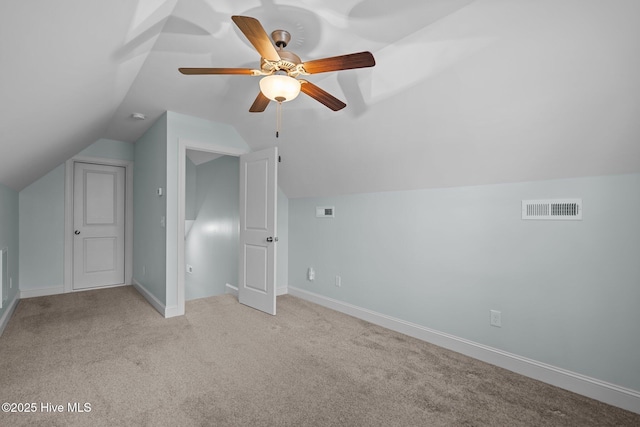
column 42, row 232
column 42, row 220
column 211, row 246
column 569, row 291
column 149, row 210
column 9, row 206
column 155, row 247
column 180, row 126
column 190, row 191
column 109, row 149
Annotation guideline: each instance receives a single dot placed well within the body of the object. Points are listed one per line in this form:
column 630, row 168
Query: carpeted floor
column 224, row 364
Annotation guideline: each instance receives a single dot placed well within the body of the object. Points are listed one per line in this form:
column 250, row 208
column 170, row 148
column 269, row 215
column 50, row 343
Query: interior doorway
column 212, row 223
column 255, row 188
column 205, row 152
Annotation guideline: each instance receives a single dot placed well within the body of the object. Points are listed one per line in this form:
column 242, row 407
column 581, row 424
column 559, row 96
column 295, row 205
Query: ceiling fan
column 281, row 68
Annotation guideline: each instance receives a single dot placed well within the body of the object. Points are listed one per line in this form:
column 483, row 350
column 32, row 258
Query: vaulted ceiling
column 463, row 92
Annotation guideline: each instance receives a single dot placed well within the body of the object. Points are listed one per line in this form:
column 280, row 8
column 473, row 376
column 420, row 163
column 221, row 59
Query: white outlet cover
column 496, row 318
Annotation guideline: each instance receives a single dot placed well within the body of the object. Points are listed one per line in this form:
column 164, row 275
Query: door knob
column 272, row 239
column 76, row 232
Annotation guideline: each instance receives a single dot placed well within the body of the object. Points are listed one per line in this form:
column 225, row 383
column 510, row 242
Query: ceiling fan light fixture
column 280, row 88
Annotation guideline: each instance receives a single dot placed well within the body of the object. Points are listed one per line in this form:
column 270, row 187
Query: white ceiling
column 463, row 93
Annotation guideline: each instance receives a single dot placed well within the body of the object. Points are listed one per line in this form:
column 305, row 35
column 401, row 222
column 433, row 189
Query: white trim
column 173, row 311
column 283, row 290
column 230, row 289
column 41, row 292
column 4, row 320
column 68, row 226
column 183, row 146
column 68, row 217
column 57, row 290
column 155, row 302
column 591, row 387
column 117, row 285
column 210, row 148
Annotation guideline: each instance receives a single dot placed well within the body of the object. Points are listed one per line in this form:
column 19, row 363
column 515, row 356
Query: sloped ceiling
column 463, row 93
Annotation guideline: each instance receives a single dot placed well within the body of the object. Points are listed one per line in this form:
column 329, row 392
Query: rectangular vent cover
column 566, row 209
column 325, row 212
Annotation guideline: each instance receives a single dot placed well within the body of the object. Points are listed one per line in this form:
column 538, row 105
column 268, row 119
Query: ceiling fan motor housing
column 288, row 62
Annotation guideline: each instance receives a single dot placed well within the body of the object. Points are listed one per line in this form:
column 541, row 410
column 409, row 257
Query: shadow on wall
column 212, row 229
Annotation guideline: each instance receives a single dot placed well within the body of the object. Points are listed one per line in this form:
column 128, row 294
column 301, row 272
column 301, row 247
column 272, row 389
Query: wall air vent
column 564, row 209
column 325, row 212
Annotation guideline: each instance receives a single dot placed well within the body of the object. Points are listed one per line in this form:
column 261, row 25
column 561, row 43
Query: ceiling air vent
column 566, row 209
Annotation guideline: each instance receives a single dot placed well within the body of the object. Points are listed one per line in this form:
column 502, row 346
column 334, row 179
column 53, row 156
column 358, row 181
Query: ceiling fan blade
column 321, row 96
column 337, row 63
column 260, row 104
column 196, row 71
column 253, row 30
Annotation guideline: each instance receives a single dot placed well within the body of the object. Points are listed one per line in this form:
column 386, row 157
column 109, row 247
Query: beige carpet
column 224, row 364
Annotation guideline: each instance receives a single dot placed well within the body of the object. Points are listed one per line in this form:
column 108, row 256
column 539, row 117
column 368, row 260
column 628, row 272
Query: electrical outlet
column 496, row 318
column 10, row 282
column 338, row 281
column 311, row 274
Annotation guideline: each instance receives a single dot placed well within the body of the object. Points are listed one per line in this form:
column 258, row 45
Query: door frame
column 183, row 146
column 68, row 219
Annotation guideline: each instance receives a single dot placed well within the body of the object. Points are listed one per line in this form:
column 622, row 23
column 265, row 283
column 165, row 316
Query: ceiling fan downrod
column 281, row 38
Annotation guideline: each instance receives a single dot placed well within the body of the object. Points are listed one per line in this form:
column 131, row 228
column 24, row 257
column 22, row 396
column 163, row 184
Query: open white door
column 258, row 190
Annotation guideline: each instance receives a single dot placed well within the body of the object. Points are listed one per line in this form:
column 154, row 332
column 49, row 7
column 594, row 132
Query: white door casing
column 183, row 145
column 258, row 233
column 99, row 225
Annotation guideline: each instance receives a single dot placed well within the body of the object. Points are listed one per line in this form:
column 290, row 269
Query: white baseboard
column 230, row 289
column 57, row 290
column 155, row 302
column 173, row 311
column 596, row 389
column 4, row 320
column 41, row 292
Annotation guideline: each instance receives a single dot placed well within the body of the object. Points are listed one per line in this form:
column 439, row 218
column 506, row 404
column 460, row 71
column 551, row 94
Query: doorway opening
column 203, row 153
column 257, row 198
column 212, row 223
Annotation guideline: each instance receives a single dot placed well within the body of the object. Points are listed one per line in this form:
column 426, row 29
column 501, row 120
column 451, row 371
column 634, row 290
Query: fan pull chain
column 278, row 116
